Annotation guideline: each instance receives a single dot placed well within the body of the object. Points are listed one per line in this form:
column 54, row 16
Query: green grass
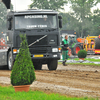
column 89, row 64
column 95, row 60
column 89, row 59
column 8, row 93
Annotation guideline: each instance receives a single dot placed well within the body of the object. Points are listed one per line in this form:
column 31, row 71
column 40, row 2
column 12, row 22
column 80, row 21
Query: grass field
column 89, row 59
column 89, row 64
column 8, row 93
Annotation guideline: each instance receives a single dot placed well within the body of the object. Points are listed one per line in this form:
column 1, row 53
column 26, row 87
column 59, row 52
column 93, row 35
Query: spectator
column 65, row 50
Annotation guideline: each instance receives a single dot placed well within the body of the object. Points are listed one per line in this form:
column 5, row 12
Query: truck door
column 9, row 30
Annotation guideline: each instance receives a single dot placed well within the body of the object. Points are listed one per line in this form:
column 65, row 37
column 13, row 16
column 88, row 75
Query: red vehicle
column 2, row 44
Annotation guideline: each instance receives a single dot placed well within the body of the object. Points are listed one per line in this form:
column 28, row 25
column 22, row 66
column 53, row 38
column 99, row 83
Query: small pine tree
column 23, row 69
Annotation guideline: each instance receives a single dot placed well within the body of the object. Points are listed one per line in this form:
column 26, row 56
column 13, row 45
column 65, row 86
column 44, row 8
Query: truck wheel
column 76, row 49
column 97, row 43
column 37, row 66
column 10, row 61
column 52, row 64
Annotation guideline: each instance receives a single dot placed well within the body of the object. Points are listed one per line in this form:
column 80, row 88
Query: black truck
column 42, row 31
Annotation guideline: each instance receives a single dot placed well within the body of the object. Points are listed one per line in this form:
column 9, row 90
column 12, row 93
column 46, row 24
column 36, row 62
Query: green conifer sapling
column 23, row 69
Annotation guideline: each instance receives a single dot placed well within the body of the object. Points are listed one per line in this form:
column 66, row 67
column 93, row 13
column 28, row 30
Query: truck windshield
column 35, row 21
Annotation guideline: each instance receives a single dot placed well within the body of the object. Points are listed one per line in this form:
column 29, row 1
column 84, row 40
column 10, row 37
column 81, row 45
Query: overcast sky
column 23, row 4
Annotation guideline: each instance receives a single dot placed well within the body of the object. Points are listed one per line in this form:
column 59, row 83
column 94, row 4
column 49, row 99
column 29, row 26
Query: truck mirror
column 60, row 23
column 9, row 18
column 9, row 25
column 59, row 17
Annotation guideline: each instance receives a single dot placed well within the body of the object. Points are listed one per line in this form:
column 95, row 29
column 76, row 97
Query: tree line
column 80, row 19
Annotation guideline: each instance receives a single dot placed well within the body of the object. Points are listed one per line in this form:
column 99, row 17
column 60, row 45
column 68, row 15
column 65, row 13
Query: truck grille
column 46, row 41
column 31, row 39
column 40, row 47
column 38, row 50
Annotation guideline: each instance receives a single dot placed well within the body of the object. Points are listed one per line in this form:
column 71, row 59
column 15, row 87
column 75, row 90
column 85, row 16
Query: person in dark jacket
column 47, row 22
column 65, row 50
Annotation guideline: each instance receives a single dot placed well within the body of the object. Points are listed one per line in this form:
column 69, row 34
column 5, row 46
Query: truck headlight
column 15, row 51
column 54, row 49
column 59, row 49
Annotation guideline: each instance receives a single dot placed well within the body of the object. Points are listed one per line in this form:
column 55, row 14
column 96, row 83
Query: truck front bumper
column 46, row 56
column 43, row 56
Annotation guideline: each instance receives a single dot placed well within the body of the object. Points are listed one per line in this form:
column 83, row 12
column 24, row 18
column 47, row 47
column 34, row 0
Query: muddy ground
column 70, row 80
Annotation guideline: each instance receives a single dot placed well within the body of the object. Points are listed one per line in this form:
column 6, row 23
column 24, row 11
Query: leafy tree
column 3, row 14
column 95, row 19
column 82, row 11
column 70, row 23
column 48, row 4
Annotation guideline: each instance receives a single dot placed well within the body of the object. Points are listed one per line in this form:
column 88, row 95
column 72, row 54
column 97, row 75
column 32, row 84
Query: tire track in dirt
column 72, row 79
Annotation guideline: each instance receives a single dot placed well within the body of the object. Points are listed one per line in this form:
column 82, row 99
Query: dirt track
column 71, row 80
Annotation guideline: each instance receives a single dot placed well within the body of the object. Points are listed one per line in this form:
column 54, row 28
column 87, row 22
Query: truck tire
column 10, row 61
column 76, row 48
column 52, row 64
column 37, row 66
column 97, row 43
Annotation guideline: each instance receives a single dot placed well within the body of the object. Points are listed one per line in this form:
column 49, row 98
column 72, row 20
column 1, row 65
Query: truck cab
column 42, row 31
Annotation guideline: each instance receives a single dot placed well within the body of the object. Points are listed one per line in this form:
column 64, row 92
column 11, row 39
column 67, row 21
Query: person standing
column 47, row 22
column 65, row 49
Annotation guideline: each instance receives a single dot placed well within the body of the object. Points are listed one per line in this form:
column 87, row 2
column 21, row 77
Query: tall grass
column 8, row 93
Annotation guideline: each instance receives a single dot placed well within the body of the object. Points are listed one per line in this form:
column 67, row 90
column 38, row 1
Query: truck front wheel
column 52, row 64
column 10, row 61
column 37, row 66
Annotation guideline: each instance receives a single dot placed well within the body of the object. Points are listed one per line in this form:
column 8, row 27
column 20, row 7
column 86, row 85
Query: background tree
column 48, row 4
column 82, row 11
column 95, row 19
column 70, row 23
column 3, row 15
column 81, row 19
